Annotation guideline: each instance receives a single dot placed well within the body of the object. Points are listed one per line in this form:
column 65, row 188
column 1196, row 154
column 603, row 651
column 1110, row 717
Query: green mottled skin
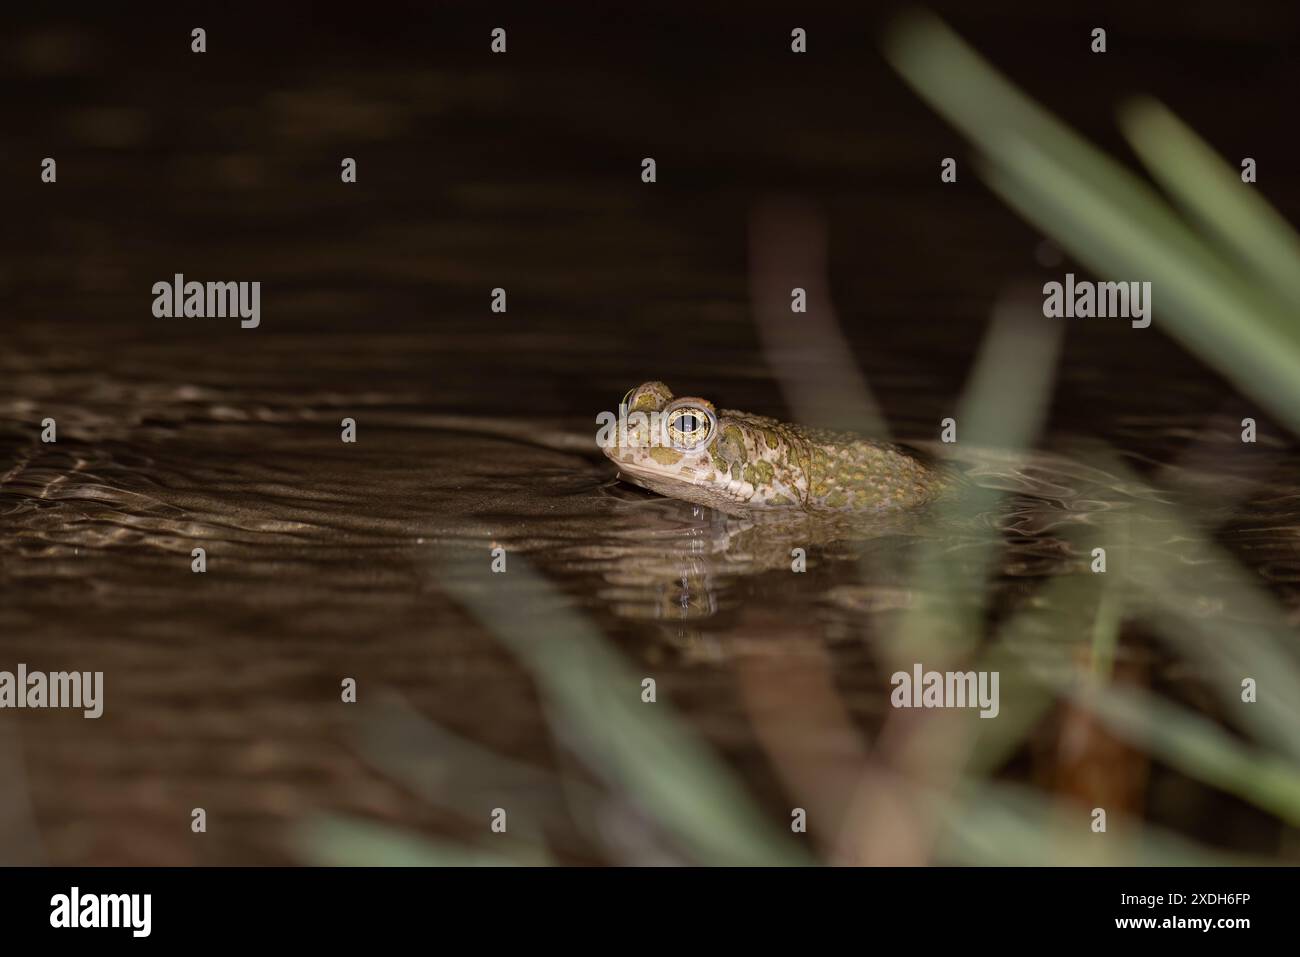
column 751, row 462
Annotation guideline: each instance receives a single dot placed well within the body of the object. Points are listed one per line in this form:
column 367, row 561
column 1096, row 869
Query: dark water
column 329, row 560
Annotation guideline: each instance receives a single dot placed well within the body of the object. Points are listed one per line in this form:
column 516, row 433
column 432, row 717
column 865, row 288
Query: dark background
column 523, row 171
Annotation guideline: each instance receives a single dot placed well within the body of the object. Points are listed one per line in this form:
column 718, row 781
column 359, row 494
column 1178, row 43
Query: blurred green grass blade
column 974, row 97
column 1068, row 612
column 1207, row 608
column 952, row 576
column 1254, row 644
column 1170, row 569
column 640, row 749
column 331, row 840
column 1233, row 211
column 1018, row 347
column 459, row 775
column 1210, row 313
column 1105, row 215
column 1199, row 748
column 993, row 824
column 1105, row 631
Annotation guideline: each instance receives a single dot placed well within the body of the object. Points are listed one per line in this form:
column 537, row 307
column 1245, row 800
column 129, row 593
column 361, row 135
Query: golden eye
column 689, row 426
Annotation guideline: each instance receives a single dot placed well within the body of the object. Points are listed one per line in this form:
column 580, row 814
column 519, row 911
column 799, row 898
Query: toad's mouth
column 684, row 478
column 684, row 475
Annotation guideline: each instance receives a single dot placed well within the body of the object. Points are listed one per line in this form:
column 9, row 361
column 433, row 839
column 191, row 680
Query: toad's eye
column 689, row 426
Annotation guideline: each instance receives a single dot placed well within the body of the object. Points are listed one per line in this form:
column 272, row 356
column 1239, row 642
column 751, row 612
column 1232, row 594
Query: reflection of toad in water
column 688, row 571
